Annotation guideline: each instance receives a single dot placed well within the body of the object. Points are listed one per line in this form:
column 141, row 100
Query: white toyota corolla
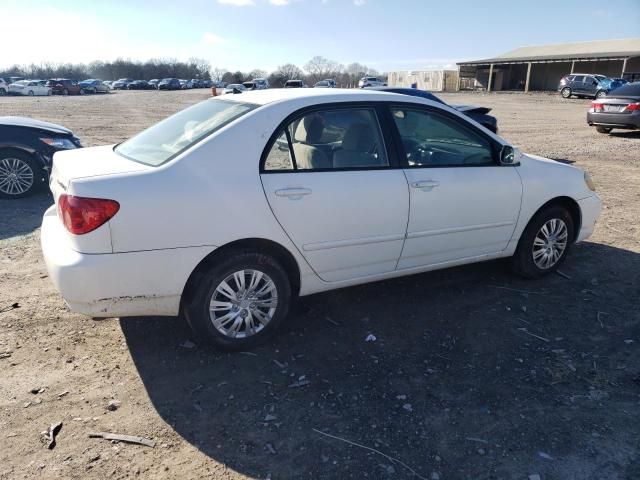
column 228, row 210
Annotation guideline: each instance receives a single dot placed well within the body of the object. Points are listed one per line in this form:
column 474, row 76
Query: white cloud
column 359, row 3
column 280, row 3
column 238, row 3
column 212, row 39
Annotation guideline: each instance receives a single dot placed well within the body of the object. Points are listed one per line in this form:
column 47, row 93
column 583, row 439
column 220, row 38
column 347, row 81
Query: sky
column 247, row 34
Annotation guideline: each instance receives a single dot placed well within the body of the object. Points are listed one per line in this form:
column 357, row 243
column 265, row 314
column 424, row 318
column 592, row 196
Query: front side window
column 331, row 139
column 431, row 139
column 166, row 139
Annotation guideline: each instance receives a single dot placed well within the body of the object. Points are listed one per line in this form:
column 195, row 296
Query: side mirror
column 508, row 156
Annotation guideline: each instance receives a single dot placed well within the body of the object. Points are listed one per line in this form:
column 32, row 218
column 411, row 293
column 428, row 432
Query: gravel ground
column 475, row 374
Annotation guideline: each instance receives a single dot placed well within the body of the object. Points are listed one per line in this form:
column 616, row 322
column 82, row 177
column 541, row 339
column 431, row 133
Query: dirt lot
column 475, row 374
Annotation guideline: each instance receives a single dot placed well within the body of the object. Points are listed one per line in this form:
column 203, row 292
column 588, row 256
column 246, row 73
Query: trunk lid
column 88, row 162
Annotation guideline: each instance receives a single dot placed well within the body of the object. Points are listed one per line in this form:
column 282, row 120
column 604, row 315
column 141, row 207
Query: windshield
column 163, row 141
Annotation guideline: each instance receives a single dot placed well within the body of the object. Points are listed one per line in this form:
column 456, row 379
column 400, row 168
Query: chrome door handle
column 425, row 185
column 293, row 193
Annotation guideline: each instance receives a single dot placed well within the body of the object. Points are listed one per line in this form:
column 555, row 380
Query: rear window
column 627, row 90
column 170, row 137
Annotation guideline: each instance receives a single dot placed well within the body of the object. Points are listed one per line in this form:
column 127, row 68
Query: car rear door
column 337, row 192
column 463, row 204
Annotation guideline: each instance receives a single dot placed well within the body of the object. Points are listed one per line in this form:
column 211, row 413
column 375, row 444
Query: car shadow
column 625, row 133
column 459, row 371
column 21, row 216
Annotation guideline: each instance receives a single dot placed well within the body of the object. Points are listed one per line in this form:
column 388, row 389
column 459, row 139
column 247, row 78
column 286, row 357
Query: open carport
column 542, row 67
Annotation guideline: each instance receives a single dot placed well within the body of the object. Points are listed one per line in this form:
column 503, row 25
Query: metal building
column 433, row 80
column 542, row 67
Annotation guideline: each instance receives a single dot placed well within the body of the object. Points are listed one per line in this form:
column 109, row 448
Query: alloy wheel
column 550, row 243
column 243, row 304
column 16, row 176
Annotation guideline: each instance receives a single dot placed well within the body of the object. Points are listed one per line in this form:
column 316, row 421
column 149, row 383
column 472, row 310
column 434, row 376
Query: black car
column 139, row 85
column 169, row 84
column 479, row 114
column 619, row 109
column 26, row 152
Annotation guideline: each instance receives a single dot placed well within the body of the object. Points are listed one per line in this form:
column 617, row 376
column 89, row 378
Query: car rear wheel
column 31, row 93
column 2, row 92
column 565, row 92
column 240, row 301
column 17, row 175
column 601, row 94
column 544, row 243
column 603, row 129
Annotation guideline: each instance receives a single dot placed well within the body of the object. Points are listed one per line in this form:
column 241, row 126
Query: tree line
column 316, row 69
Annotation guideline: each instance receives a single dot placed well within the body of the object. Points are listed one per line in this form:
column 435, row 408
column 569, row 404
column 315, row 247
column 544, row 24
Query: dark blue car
column 479, row 114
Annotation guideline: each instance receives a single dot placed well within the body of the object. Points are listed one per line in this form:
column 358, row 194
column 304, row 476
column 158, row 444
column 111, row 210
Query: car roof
column 272, row 95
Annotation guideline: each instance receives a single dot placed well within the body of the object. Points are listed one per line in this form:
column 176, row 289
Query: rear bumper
column 117, row 284
column 590, row 208
column 614, row 120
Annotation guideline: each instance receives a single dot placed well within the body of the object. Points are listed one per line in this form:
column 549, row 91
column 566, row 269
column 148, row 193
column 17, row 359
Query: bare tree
column 257, row 73
column 320, row 68
column 217, row 74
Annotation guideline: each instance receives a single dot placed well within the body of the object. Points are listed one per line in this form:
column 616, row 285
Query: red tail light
column 633, row 106
column 597, row 107
column 82, row 215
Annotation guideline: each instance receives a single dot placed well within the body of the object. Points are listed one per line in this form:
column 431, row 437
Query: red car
column 64, row 86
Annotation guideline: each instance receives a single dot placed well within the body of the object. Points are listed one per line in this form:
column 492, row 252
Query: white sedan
column 29, row 87
column 228, row 210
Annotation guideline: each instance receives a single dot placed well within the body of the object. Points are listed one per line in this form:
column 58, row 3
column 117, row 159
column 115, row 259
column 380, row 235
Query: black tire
column 522, row 261
column 603, row 129
column 566, row 92
column 2, row 92
column 601, row 94
column 65, row 92
column 28, row 162
column 31, row 94
column 196, row 305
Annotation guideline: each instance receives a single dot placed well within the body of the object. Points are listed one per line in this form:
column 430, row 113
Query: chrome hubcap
column 550, row 243
column 243, row 304
column 16, row 176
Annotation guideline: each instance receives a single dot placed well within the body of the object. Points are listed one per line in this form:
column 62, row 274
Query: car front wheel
column 601, row 94
column 544, row 243
column 565, row 92
column 240, row 301
column 17, row 175
column 603, row 129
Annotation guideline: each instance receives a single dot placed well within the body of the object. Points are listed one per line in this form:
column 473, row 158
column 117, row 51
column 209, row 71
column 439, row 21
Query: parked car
column 169, row 84
column 26, row 150
column 139, row 85
column 196, row 83
column 122, row 84
column 295, row 84
column 154, row 83
column 93, row 85
column 371, row 82
column 234, row 88
column 418, row 186
column 15, row 79
column 322, row 84
column 63, row 86
column 4, row 87
column 479, row 114
column 207, row 84
column 29, row 87
column 620, row 109
column 249, row 85
column 584, row 85
column 261, row 83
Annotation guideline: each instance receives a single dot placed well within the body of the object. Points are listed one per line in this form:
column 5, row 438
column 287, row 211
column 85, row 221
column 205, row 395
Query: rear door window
column 578, row 78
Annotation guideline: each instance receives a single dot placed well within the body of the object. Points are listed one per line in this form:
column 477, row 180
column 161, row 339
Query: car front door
column 590, row 85
column 337, row 193
column 463, row 204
